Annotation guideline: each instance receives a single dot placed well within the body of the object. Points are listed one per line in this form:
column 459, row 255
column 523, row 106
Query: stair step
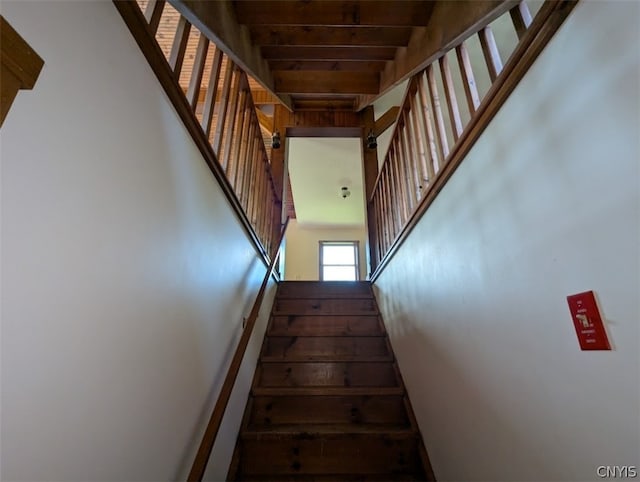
column 264, row 432
column 316, row 410
column 357, row 454
column 320, row 306
column 324, row 289
column 327, row 348
column 337, row 325
column 328, row 391
column 327, row 374
column 333, row 478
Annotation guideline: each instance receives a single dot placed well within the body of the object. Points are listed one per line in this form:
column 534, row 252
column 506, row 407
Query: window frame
column 356, row 247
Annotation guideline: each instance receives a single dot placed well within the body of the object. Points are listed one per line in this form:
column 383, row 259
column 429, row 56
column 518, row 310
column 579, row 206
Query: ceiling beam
column 328, row 53
column 402, row 13
column 450, row 23
column 386, row 120
column 303, row 82
column 265, row 121
column 334, row 36
column 217, row 21
column 333, row 65
column 323, row 104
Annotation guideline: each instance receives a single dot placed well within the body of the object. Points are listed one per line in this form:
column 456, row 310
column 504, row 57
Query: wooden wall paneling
column 212, row 90
column 229, row 129
column 427, row 125
column 490, row 51
column 521, row 18
column 153, row 14
column 441, row 132
column 223, row 108
column 179, row 47
column 450, row 94
column 193, row 92
column 468, row 79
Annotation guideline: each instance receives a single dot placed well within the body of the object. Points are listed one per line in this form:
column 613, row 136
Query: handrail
column 209, row 437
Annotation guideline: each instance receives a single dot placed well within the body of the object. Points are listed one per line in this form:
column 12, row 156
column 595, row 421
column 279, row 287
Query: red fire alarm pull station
column 588, row 323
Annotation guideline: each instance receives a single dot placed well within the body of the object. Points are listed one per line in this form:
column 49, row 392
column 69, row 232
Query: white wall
column 545, row 205
column 125, row 275
column 302, row 249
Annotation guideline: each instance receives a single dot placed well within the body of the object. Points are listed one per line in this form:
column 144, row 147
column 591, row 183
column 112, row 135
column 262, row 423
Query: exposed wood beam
column 266, row 122
column 328, row 53
column 262, row 97
column 217, row 21
column 320, row 35
column 333, row 65
column 20, row 66
column 322, row 12
column 326, row 82
column 386, row 120
column 449, row 24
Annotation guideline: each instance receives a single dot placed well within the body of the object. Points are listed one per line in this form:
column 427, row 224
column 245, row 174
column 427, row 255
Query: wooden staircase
column 327, row 401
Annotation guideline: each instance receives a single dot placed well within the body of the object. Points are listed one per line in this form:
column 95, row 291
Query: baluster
column 468, row 80
column 240, row 130
column 179, row 46
column 409, row 177
column 521, row 18
column 193, row 92
column 433, row 161
column 491, row 53
column 441, row 132
column 420, row 144
column 212, row 89
column 153, row 14
column 231, row 122
column 412, row 155
column 450, row 94
column 224, row 105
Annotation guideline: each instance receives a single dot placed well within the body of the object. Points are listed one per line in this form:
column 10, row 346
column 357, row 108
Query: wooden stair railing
column 327, row 400
column 213, row 98
column 209, row 437
column 431, row 140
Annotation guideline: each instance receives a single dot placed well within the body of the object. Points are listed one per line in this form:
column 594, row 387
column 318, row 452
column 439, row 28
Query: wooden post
column 521, row 18
column 370, row 164
column 193, row 92
column 450, row 94
column 212, row 89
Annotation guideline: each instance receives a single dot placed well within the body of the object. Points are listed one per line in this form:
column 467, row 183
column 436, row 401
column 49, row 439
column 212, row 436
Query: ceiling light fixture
column 344, row 192
column 275, row 140
column 372, row 143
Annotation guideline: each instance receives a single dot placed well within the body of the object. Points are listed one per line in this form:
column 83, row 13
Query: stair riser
column 316, row 306
column 326, row 374
column 300, row 325
column 323, row 347
column 270, row 411
column 310, row 289
column 322, row 455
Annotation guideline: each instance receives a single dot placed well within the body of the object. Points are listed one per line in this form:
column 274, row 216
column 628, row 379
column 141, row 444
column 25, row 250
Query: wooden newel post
column 370, row 163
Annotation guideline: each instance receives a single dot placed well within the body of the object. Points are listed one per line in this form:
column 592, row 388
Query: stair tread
column 329, row 391
column 327, row 358
column 347, row 429
column 333, row 478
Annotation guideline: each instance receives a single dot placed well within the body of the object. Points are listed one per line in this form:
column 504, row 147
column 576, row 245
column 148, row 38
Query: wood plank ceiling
column 326, row 54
